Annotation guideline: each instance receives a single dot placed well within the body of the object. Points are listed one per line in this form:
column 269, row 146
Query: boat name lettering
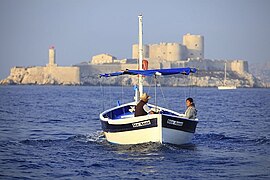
column 173, row 122
column 143, row 123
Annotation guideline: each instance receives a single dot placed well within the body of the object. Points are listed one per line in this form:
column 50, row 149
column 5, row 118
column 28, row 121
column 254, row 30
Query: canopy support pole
column 156, row 92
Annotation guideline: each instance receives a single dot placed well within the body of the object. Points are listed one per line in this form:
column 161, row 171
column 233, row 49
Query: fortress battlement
column 190, row 53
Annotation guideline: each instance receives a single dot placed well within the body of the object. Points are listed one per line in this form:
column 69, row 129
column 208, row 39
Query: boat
column 120, row 126
column 225, row 86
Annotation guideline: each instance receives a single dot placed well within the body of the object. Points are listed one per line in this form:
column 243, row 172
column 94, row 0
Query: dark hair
column 191, row 100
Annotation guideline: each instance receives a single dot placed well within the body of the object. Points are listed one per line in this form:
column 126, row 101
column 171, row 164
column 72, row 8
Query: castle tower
column 195, row 46
column 239, row 66
column 135, row 51
column 52, row 57
column 158, row 52
column 175, row 52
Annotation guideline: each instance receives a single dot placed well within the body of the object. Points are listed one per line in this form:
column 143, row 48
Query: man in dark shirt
column 142, row 109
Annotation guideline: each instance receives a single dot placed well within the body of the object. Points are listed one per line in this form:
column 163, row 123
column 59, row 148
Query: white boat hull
column 226, row 87
column 176, row 137
column 134, row 137
column 170, row 136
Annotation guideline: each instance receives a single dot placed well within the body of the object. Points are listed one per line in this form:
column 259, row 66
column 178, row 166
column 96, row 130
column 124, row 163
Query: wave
column 46, row 142
column 51, row 121
column 6, row 111
column 97, row 137
column 223, row 138
column 262, row 140
column 150, row 149
column 133, row 148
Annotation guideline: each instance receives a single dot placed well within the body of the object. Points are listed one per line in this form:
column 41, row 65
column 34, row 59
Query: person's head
column 145, row 97
column 189, row 102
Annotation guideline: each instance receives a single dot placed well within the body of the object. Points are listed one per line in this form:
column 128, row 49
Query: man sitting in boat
column 191, row 112
column 142, row 109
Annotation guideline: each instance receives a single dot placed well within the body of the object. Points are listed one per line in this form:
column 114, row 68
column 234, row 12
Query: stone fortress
column 162, row 55
column 49, row 74
column 173, row 55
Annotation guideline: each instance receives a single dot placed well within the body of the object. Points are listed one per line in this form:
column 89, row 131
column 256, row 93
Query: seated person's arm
column 147, row 109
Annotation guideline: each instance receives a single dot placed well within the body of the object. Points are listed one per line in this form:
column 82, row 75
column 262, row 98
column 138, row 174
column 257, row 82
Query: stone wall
column 64, row 75
column 102, row 58
column 239, row 66
column 43, row 75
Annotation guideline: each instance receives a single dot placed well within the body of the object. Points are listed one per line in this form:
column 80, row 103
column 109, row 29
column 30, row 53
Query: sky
column 80, row 29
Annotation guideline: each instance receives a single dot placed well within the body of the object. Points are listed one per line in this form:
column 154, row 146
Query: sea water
column 53, row 132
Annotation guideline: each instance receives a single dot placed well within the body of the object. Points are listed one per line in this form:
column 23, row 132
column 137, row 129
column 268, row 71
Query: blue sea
column 53, row 132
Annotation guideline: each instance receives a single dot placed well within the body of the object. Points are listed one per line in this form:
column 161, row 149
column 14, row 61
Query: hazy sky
column 79, row 29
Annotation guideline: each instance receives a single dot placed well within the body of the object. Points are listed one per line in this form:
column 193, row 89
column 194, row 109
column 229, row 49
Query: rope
column 102, row 90
column 185, row 88
column 192, row 86
column 122, row 93
column 189, row 85
column 157, row 82
column 150, row 85
column 163, row 96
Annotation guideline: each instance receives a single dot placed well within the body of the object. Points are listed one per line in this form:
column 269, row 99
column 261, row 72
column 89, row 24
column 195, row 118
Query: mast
column 140, row 53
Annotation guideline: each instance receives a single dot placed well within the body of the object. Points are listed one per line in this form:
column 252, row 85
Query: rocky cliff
column 60, row 76
column 200, row 79
column 43, row 75
column 262, row 72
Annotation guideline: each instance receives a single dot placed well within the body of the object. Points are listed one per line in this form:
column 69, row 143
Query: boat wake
column 137, row 148
column 98, row 137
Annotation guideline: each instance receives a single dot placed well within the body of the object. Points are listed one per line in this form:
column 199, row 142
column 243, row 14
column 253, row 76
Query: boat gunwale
column 135, row 119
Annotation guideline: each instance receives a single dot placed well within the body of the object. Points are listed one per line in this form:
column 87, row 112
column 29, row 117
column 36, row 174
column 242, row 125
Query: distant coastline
column 158, row 56
column 88, row 75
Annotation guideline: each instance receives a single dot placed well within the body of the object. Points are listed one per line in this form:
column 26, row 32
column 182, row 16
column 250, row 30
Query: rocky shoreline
column 200, row 79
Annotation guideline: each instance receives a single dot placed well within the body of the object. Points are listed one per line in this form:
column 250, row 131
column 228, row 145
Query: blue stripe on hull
column 169, row 122
column 178, row 123
column 148, row 123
